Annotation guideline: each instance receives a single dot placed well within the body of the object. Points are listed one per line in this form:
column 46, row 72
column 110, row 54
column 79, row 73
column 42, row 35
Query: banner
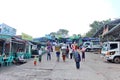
column 26, row 37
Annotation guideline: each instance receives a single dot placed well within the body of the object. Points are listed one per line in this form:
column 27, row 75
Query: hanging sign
column 7, row 30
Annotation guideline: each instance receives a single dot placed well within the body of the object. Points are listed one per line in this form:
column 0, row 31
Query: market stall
column 6, row 33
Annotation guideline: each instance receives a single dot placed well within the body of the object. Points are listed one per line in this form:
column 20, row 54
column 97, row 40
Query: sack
column 78, row 58
column 57, row 48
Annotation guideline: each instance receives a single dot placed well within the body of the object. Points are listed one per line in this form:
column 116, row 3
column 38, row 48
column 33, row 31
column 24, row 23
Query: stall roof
column 18, row 40
column 110, row 25
column 30, row 43
column 115, row 29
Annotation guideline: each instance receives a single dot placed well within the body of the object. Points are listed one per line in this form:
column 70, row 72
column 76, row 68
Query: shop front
column 6, row 33
column 5, row 44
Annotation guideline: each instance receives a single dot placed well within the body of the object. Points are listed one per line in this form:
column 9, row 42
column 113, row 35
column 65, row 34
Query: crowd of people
column 67, row 51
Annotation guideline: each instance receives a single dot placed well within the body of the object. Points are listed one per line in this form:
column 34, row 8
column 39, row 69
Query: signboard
column 4, row 36
column 26, row 37
column 7, row 30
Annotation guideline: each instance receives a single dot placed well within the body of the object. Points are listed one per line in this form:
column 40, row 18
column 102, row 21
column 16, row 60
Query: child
column 35, row 60
column 67, row 52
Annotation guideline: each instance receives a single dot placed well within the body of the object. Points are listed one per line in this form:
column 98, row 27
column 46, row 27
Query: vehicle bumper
column 109, row 57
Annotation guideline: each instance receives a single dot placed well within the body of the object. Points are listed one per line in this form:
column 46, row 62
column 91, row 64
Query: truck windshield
column 86, row 44
column 104, row 47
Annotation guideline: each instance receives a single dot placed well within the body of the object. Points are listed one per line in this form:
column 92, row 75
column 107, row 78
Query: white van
column 111, row 51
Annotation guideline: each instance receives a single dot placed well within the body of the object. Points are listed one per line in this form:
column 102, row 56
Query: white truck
column 111, row 51
column 93, row 45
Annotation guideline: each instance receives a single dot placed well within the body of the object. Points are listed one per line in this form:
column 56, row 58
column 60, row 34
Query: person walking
column 83, row 53
column 77, row 58
column 67, row 52
column 49, row 51
column 40, row 54
column 71, row 55
column 73, row 46
column 63, row 49
column 57, row 49
column 48, row 54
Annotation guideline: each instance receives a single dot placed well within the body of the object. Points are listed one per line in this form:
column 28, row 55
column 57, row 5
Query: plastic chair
column 9, row 60
column 1, row 60
column 27, row 55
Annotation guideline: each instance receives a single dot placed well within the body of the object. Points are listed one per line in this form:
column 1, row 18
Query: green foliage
column 62, row 32
column 53, row 34
column 59, row 33
column 95, row 26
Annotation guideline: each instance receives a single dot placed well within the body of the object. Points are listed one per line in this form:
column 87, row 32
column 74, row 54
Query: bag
column 77, row 58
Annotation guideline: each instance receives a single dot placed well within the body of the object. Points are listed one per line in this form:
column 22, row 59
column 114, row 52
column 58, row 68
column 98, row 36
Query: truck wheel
column 117, row 60
column 109, row 60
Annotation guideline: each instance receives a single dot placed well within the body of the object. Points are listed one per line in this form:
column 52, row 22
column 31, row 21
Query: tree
column 62, row 32
column 53, row 34
column 79, row 35
column 95, row 26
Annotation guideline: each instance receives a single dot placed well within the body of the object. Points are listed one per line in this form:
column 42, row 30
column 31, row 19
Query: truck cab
column 111, row 51
column 87, row 45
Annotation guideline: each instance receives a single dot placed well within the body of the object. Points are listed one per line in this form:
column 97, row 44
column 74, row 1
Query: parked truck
column 111, row 51
column 93, row 45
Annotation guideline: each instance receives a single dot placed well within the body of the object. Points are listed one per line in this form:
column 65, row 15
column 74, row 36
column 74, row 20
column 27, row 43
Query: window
column 87, row 44
column 113, row 46
column 104, row 48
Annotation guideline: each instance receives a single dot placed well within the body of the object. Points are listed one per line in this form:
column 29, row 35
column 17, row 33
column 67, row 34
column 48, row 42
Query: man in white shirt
column 40, row 54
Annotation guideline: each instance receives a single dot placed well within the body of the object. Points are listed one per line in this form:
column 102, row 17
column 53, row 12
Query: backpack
column 78, row 58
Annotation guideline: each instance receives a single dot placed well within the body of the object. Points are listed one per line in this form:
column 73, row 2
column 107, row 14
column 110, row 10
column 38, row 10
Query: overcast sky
column 40, row 17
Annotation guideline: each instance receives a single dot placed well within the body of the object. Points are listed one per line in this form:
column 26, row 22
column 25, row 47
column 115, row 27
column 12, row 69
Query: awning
column 30, row 43
column 18, row 40
column 113, row 30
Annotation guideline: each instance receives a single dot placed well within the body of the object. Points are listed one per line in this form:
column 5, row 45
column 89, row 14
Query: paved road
column 94, row 68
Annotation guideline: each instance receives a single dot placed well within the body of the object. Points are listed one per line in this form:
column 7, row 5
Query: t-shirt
column 83, row 49
column 40, row 52
column 74, row 46
column 49, row 48
column 57, row 48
